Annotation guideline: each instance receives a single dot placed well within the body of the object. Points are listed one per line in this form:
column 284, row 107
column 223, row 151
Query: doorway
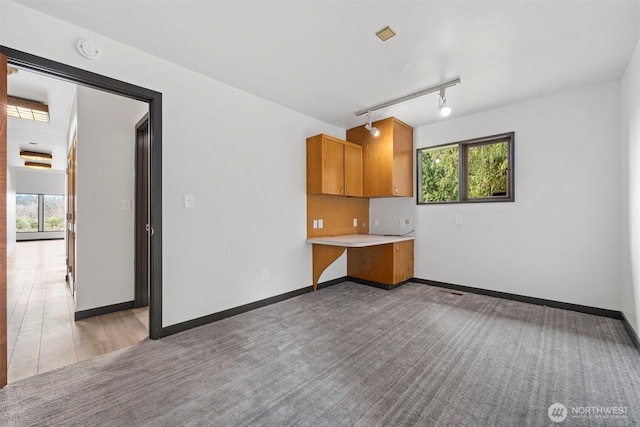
column 142, row 227
column 85, row 78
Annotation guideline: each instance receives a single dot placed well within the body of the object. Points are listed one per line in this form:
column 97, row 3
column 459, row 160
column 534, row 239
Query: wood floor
column 42, row 334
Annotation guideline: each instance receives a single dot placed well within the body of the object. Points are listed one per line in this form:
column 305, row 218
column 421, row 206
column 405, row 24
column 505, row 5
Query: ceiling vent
column 385, row 34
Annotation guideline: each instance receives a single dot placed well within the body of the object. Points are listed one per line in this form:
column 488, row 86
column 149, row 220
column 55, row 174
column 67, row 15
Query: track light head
column 445, row 110
column 372, row 129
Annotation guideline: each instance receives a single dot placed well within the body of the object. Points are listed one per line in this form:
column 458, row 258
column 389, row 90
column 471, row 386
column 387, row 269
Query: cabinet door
column 352, row 171
column 409, row 260
column 332, row 167
column 373, row 263
column 402, row 160
column 399, row 262
column 402, row 261
column 387, row 159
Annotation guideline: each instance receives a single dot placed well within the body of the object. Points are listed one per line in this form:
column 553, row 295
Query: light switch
column 126, row 205
column 188, row 201
column 355, row 222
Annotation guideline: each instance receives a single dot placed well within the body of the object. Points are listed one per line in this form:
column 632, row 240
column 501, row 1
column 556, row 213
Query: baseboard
column 331, row 282
column 531, row 300
column 38, row 239
column 375, row 284
column 99, row 311
column 632, row 333
column 210, row 318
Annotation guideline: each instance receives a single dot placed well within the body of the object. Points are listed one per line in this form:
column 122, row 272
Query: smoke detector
column 88, row 49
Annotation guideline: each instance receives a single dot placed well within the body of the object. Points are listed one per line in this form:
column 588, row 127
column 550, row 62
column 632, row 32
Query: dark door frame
column 154, row 99
column 142, row 227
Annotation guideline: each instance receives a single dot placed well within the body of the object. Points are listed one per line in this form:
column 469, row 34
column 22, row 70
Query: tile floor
column 42, row 334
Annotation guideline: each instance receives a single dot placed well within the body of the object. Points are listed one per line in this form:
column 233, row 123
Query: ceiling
column 322, row 58
column 36, row 136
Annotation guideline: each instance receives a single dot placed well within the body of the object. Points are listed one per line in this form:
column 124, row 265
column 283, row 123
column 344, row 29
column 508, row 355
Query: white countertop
column 359, row 240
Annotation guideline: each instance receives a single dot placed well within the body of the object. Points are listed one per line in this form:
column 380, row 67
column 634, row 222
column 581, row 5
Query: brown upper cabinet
column 334, row 166
column 387, row 159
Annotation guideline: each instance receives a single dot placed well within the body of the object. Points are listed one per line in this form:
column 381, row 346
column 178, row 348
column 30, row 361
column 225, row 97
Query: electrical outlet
column 265, row 274
column 459, row 219
column 355, row 222
column 315, row 223
column 320, row 223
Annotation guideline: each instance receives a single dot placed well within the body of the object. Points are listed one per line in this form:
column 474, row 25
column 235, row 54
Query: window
column 479, row 170
column 53, row 212
column 27, row 213
column 39, row 212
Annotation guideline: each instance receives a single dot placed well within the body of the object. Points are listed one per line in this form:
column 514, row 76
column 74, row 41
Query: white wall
column 560, row 239
column 11, row 210
column 34, row 181
column 630, row 212
column 105, row 177
column 241, row 156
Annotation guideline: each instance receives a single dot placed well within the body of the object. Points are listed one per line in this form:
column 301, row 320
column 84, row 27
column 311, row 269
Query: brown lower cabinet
column 388, row 264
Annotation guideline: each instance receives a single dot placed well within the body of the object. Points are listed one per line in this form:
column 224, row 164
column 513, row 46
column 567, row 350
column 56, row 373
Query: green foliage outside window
column 439, row 174
column 487, row 166
column 31, row 207
column 486, row 171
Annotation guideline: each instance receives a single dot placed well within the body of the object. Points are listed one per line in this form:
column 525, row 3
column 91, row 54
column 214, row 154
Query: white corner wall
column 630, row 212
column 560, row 239
column 242, row 157
column 105, row 177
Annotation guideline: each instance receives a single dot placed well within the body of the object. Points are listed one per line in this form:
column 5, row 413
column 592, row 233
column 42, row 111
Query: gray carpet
column 352, row 355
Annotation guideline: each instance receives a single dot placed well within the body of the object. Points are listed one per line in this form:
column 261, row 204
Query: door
column 3, row 220
column 71, row 217
column 142, row 228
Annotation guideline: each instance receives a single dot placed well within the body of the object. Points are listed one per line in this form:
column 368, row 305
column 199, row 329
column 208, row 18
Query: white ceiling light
column 445, row 110
column 27, row 109
column 372, row 129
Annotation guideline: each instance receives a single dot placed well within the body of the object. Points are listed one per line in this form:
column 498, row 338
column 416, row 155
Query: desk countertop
column 358, row 240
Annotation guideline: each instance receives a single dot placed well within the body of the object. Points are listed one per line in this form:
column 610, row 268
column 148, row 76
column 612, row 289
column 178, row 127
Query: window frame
column 463, row 169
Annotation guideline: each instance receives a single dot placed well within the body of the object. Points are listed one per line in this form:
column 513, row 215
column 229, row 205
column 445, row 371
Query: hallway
column 42, row 334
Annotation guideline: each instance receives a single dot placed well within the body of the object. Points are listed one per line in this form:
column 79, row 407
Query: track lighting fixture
column 445, row 110
column 372, row 130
